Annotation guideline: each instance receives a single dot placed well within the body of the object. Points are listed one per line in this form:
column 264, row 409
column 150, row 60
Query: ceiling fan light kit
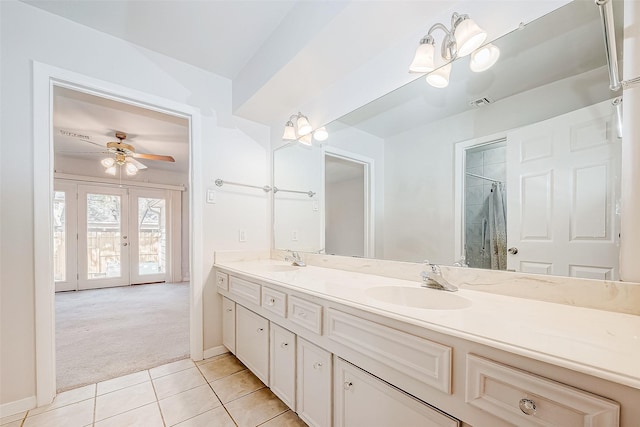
column 124, row 157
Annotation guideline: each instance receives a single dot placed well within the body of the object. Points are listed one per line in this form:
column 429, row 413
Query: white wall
column 232, row 149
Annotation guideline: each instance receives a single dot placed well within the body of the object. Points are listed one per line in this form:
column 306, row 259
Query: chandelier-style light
column 465, row 37
column 299, row 129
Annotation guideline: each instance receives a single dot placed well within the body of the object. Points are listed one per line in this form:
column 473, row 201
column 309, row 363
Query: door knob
column 125, row 244
column 513, row 250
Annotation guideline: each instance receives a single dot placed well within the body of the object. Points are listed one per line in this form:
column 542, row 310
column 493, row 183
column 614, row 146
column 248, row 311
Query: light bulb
column 484, row 58
column 468, row 36
column 423, row 61
column 306, row 139
column 111, row 170
column 321, row 134
column 131, row 169
column 107, row 162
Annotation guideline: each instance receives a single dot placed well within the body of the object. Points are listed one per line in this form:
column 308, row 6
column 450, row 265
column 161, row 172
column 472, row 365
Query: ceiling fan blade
column 153, row 157
column 82, row 152
column 139, row 165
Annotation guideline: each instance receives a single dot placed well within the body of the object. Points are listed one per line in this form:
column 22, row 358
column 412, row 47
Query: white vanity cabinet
column 282, row 366
column 229, row 324
column 364, row 400
column 252, row 342
column 314, row 384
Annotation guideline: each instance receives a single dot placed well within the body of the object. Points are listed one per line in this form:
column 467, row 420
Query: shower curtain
column 497, row 236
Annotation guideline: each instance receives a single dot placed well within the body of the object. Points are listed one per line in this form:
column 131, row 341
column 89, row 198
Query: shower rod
column 483, row 177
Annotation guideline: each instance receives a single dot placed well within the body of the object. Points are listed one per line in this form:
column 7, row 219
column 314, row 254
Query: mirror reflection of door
column 345, row 206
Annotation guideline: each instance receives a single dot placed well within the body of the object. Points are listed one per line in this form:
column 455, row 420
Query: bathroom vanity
column 344, row 348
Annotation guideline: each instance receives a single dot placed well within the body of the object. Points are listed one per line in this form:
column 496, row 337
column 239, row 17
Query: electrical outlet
column 294, row 235
column 242, row 235
column 211, row 196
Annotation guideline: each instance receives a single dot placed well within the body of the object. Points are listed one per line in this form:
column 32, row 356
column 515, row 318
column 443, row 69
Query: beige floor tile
column 221, row 367
column 144, row 416
column 123, row 382
column 17, row 423
column 12, row 418
column 171, row 368
column 126, row 399
column 178, row 382
column 236, row 385
column 217, row 417
column 288, row 419
column 203, row 361
column 255, row 408
column 67, row 398
column 76, row 414
column 188, row 404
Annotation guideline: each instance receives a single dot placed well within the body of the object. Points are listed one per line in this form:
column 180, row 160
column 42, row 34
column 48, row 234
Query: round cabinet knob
column 347, row 385
column 260, row 330
column 302, row 314
column 528, row 406
column 271, row 301
column 229, row 309
column 284, row 344
column 125, row 244
column 513, row 250
column 317, row 365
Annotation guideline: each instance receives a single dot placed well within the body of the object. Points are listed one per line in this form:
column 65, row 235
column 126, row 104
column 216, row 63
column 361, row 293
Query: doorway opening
column 348, row 224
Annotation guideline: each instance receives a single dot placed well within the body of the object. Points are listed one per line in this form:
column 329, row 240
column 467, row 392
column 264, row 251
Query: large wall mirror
column 515, row 168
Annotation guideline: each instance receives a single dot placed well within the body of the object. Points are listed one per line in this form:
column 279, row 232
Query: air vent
column 74, row 135
column 481, row 102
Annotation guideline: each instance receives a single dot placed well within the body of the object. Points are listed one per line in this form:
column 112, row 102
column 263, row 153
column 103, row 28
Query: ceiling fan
column 125, row 155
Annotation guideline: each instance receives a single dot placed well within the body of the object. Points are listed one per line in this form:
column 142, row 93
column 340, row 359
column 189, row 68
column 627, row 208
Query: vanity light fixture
column 299, row 129
column 464, row 38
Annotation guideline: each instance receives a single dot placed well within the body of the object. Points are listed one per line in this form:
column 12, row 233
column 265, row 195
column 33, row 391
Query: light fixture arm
column 449, row 47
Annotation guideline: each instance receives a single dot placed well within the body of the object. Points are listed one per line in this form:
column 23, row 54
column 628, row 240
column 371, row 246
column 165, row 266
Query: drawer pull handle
column 220, row 279
column 260, row 330
column 528, row 406
column 347, row 385
column 317, row 365
column 229, row 309
column 284, row 344
column 271, row 301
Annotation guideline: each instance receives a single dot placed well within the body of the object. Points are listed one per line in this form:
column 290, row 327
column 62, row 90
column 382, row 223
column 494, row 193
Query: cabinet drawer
column 247, row 290
column 411, row 356
column 526, row 399
column 305, row 314
column 222, row 280
column 274, row 301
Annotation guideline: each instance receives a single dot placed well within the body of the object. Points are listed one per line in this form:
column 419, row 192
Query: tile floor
column 216, row 392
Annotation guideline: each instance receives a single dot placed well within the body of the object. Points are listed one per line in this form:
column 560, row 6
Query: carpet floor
column 106, row 333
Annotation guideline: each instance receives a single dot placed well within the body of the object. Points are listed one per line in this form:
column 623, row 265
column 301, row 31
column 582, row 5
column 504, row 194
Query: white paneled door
column 563, row 187
column 109, row 236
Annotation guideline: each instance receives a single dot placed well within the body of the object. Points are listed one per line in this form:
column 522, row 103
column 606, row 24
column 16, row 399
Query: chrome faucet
column 295, row 259
column 433, row 279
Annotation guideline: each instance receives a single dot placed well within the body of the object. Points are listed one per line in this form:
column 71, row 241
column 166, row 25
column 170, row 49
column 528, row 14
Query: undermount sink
column 418, row 297
column 278, row 268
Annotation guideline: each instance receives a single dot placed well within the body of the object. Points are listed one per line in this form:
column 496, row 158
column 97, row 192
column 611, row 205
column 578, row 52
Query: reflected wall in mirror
column 515, row 168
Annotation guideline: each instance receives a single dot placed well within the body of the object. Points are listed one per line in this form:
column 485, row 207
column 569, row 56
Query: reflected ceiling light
column 298, row 128
column 484, row 58
column 463, row 38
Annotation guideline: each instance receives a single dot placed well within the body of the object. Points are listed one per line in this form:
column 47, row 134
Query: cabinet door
column 282, row 375
column 229, row 324
column 314, row 384
column 252, row 342
column 364, row 400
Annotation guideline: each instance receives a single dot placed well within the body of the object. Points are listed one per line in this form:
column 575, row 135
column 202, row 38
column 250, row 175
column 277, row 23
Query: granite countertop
column 601, row 343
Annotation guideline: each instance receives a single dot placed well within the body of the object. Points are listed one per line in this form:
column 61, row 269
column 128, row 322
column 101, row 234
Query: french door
column 109, row 236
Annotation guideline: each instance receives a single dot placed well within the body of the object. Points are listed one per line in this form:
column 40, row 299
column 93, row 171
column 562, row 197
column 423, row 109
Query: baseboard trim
column 215, row 351
column 17, row 406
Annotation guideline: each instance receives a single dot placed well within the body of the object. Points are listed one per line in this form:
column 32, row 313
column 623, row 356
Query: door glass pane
column 59, row 237
column 103, row 236
column 152, row 236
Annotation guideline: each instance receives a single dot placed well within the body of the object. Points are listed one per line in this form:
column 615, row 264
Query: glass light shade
column 131, row 169
column 321, row 134
column 304, row 127
column 423, row 61
column 440, row 77
column 111, row 170
column 484, row 58
column 289, row 132
column 306, row 139
column 107, row 162
column 469, row 37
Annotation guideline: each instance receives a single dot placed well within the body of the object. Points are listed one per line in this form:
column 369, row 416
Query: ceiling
column 84, row 123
